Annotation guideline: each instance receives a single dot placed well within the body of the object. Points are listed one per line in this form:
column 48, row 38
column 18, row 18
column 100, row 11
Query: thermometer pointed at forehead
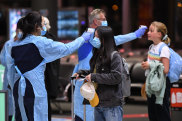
column 91, row 30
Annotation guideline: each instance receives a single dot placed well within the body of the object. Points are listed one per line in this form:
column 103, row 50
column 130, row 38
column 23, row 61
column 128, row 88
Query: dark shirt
column 108, row 78
column 52, row 74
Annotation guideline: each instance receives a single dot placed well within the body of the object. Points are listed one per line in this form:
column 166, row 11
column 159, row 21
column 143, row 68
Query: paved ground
column 134, row 110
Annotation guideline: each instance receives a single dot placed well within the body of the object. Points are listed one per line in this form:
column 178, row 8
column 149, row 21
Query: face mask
column 43, row 32
column 19, row 35
column 95, row 42
column 104, row 23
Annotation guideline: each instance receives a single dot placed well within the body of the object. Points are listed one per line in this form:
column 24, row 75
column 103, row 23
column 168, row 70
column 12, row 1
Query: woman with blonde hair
column 158, row 58
column 26, row 62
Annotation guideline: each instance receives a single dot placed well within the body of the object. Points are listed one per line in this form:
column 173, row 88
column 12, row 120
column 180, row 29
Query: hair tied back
column 165, row 37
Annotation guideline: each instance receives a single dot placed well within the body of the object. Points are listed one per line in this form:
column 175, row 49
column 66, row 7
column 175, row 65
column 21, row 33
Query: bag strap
column 160, row 49
column 150, row 46
column 112, row 54
column 125, row 65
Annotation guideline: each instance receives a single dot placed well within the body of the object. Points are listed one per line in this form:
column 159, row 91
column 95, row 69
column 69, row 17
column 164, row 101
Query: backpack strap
column 160, row 49
column 125, row 65
column 112, row 54
column 150, row 46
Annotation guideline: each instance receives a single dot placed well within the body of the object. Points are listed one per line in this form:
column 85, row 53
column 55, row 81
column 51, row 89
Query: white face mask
column 96, row 42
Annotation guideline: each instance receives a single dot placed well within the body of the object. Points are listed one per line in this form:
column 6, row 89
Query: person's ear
column 37, row 28
column 95, row 22
column 160, row 34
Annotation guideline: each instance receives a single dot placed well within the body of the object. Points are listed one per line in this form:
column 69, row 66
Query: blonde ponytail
column 167, row 40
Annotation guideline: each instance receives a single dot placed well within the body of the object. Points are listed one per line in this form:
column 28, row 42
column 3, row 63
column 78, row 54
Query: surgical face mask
column 104, row 23
column 19, row 35
column 95, row 42
column 43, row 32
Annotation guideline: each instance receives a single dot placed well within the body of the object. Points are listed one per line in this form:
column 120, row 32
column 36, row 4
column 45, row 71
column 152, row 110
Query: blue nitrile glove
column 140, row 32
column 86, row 36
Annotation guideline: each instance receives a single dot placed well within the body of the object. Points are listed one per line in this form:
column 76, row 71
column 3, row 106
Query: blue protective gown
column 26, row 64
column 84, row 56
column 5, row 50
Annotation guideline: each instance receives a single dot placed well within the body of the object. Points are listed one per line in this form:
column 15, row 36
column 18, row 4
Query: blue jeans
column 108, row 114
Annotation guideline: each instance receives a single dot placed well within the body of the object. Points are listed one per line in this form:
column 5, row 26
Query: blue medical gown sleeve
column 51, row 50
column 4, row 50
column 2, row 56
column 121, row 39
column 8, row 62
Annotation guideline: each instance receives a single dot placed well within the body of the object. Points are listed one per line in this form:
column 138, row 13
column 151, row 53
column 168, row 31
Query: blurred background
column 69, row 19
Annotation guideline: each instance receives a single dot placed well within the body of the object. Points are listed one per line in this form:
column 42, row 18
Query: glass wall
column 68, row 24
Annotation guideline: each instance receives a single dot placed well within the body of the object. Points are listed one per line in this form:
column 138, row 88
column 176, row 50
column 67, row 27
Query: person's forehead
column 152, row 27
column 102, row 15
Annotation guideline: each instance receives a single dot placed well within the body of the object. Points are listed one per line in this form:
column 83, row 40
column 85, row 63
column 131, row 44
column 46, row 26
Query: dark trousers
column 10, row 118
column 49, row 108
column 77, row 118
column 28, row 101
column 158, row 112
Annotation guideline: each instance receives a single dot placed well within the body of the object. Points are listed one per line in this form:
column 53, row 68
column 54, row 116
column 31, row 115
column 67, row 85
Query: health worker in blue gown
column 26, row 64
column 6, row 49
column 96, row 18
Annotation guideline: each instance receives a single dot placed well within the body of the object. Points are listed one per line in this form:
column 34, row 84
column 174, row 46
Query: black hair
column 19, row 23
column 108, row 45
column 30, row 23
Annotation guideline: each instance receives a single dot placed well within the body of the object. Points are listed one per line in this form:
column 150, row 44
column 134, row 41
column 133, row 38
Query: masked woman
column 105, row 70
column 26, row 65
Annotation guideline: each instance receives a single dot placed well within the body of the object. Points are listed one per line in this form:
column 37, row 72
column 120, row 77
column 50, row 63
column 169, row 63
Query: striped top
column 153, row 53
column 153, row 56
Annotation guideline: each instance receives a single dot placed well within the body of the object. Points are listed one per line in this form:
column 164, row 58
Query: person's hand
column 145, row 65
column 86, row 36
column 140, row 32
column 75, row 75
column 88, row 78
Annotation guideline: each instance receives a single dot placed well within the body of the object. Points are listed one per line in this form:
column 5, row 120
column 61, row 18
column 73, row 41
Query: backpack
column 175, row 64
column 126, row 81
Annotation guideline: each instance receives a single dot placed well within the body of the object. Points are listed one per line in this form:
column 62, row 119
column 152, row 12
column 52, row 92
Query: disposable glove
column 140, row 32
column 86, row 36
